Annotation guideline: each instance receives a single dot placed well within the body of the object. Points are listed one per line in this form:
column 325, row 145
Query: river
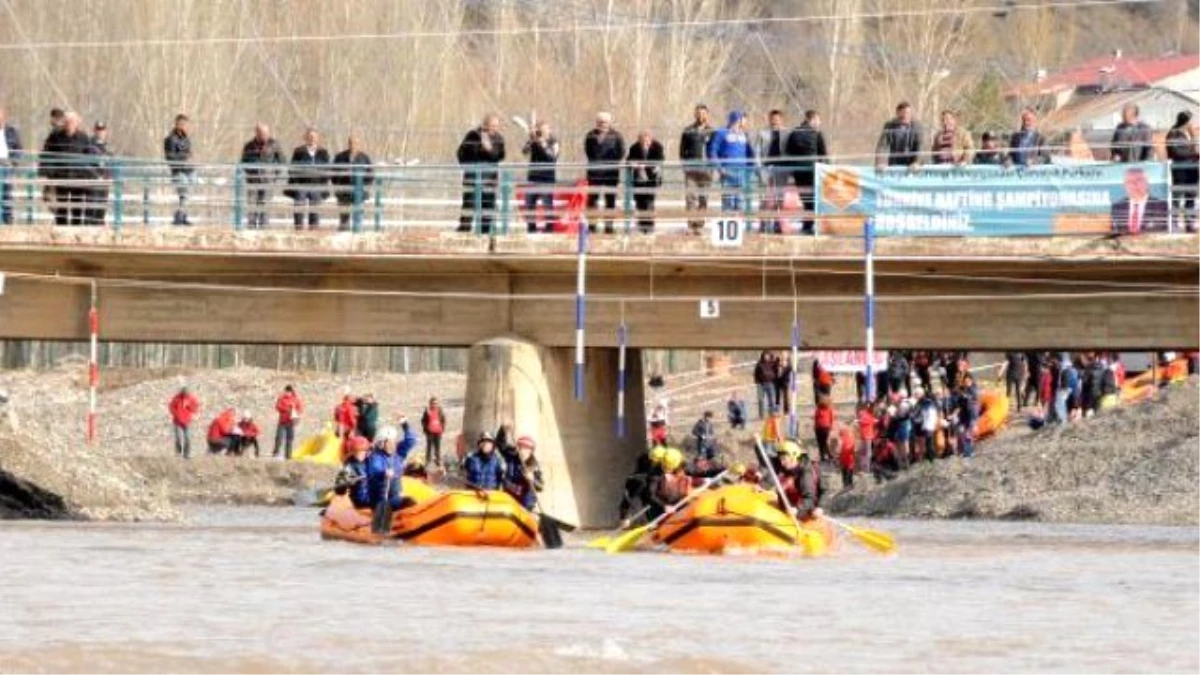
column 255, row 589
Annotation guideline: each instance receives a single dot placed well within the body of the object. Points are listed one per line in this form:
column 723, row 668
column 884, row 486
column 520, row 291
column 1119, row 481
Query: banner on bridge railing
column 943, row 200
column 848, row 360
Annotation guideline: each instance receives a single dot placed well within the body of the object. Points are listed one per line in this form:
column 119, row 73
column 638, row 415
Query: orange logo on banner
column 841, row 188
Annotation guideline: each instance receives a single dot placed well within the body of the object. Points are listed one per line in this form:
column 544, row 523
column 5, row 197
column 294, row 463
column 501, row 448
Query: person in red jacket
column 822, row 425
column 868, row 431
column 345, row 416
column 183, row 407
column 846, row 447
column 249, row 434
column 223, row 433
column 433, row 423
column 290, row 407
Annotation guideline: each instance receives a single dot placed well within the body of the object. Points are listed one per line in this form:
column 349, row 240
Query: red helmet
column 358, row 444
column 526, row 442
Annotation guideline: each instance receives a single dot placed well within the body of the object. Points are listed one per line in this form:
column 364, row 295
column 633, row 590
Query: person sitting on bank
column 801, row 481
column 706, row 436
column 523, row 476
column 352, row 479
column 846, row 447
column 484, row 468
column 249, row 435
column 736, row 411
column 223, row 433
column 638, row 485
column 674, row 484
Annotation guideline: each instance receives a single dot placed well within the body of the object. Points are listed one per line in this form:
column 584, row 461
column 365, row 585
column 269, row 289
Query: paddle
column 873, row 539
column 548, row 525
column 604, row 540
column 783, row 500
column 630, row 539
column 381, row 523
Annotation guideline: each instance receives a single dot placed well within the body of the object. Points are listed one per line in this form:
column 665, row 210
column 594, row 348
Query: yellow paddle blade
column 627, row 541
column 880, row 541
column 599, row 542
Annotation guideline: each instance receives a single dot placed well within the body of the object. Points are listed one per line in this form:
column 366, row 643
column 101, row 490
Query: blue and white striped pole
column 580, row 296
column 869, row 259
column 621, row 341
column 793, row 424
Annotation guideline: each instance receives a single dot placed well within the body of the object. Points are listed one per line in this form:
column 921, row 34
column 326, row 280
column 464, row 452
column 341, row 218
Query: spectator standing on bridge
column 101, row 174
column 604, row 147
column 952, row 144
column 262, row 158
column 1027, row 145
column 645, row 170
column 1183, row 149
column 480, row 151
column 805, row 148
column 183, row 407
column 900, row 141
column 308, row 178
column 989, row 151
column 542, row 151
column 730, row 149
column 177, row 151
column 771, row 151
column 67, row 160
column 290, row 409
column 10, row 153
column 697, row 175
column 1133, row 139
column 352, row 176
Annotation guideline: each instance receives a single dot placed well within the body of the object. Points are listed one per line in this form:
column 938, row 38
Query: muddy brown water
column 255, row 589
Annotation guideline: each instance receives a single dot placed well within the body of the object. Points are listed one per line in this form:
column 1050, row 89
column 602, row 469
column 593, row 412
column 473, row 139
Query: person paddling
column 638, row 485
column 523, row 476
column 484, row 467
column 801, row 482
column 674, row 484
column 352, row 479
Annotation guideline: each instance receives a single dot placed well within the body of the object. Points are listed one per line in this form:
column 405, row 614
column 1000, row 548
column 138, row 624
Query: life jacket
column 434, row 425
column 673, row 487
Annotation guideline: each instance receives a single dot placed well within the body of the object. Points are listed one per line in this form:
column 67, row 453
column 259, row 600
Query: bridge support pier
column 584, row 464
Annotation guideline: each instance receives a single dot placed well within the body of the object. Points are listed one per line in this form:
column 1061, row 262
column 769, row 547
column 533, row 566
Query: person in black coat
column 1184, row 152
column 307, row 179
column 10, row 152
column 542, row 150
column 806, row 147
column 352, row 176
column 605, row 150
column 645, row 171
column 263, row 156
column 67, row 160
column 900, row 141
column 102, row 173
column 479, row 153
column 1133, row 139
column 177, row 150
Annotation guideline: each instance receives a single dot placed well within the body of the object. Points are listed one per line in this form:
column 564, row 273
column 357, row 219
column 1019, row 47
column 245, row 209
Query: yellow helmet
column 738, row 469
column 672, row 459
column 790, row 449
column 658, row 454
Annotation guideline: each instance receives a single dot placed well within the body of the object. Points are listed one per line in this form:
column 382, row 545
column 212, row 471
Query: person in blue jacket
column 485, row 468
column 731, row 151
column 385, row 465
column 353, row 478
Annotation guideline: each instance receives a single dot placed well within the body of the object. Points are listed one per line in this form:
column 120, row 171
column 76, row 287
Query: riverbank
column 1135, row 464
column 131, row 473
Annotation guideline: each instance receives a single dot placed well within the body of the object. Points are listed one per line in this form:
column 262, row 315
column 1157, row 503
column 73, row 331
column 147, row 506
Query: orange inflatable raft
column 456, row 518
column 993, row 414
column 741, row 517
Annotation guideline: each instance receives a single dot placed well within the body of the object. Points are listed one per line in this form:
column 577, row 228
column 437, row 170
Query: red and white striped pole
column 93, row 366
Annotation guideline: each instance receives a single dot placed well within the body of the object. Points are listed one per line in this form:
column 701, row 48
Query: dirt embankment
column 131, row 473
column 1136, row 464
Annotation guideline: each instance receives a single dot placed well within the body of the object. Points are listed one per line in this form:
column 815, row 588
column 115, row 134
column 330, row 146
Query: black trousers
column 645, row 207
column 605, row 189
column 70, row 208
column 97, row 198
column 487, row 206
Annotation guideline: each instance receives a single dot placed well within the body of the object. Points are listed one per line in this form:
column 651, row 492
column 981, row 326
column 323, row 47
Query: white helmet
column 386, row 434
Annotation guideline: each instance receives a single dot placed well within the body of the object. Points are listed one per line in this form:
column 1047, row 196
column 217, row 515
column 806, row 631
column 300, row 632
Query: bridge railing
column 120, row 192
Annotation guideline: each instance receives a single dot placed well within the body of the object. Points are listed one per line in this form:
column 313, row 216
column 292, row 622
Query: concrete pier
column 583, row 461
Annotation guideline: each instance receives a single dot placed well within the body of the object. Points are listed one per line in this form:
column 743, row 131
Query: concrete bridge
column 512, row 300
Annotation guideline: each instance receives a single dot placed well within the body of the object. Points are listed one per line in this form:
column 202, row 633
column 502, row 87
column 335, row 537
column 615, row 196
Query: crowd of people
column 374, row 457
column 752, row 170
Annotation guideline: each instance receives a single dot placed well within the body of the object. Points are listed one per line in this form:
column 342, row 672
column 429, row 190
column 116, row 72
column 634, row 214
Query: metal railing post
column 118, row 192
column 379, row 186
column 477, row 216
column 356, row 210
column 505, row 197
column 628, row 198
column 30, row 186
column 145, row 199
column 239, row 179
column 6, row 197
